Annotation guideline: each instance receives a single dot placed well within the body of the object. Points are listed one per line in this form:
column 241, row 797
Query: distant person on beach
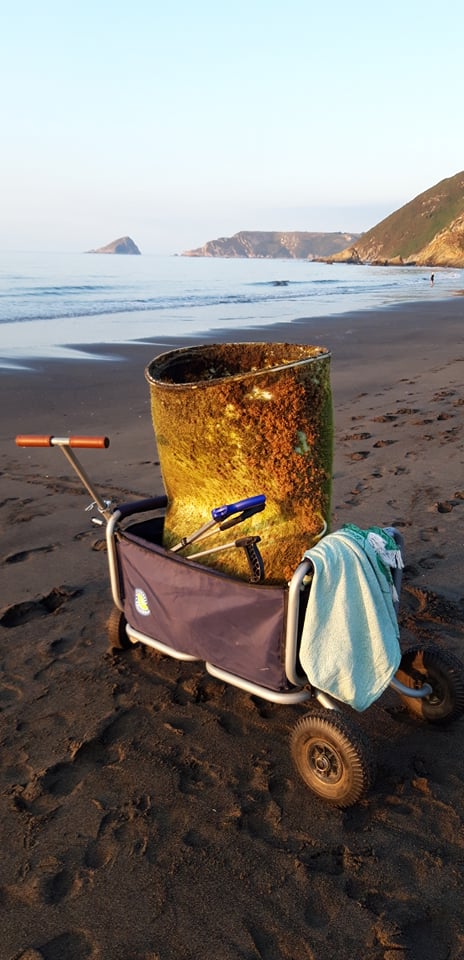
column 432, row 279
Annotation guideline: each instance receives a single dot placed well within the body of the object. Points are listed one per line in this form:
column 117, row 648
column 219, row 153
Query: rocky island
column 122, row 245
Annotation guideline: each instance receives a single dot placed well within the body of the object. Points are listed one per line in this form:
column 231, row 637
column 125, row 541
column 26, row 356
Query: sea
column 57, row 305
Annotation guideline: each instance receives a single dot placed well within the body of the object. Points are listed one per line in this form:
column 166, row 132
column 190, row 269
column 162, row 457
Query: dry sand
column 148, row 811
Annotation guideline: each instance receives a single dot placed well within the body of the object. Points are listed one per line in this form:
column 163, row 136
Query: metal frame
column 303, row 690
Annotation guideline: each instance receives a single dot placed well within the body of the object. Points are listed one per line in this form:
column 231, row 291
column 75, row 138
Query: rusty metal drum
column 234, row 420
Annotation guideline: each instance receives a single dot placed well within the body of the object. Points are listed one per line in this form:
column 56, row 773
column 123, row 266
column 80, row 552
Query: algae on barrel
column 234, row 420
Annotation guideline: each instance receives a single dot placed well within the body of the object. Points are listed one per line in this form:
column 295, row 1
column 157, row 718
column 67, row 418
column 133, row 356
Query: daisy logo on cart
column 141, row 602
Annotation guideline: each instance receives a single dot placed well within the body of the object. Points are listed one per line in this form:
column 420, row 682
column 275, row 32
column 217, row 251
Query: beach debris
column 232, row 418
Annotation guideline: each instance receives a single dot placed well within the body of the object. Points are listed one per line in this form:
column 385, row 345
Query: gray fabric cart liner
column 237, row 626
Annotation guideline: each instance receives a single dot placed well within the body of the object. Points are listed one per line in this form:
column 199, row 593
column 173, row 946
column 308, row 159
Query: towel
column 349, row 644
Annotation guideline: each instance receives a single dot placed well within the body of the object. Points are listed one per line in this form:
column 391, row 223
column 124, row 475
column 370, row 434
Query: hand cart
column 247, row 633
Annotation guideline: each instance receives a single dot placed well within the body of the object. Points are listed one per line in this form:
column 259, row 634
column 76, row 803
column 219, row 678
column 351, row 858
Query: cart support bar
column 92, row 443
column 418, row 693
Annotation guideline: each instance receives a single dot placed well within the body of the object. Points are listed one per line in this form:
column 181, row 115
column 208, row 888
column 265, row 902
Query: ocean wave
column 125, row 300
column 19, row 308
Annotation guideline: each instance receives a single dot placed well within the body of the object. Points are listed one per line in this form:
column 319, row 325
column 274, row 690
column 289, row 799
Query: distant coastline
column 272, row 245
column 426, row 231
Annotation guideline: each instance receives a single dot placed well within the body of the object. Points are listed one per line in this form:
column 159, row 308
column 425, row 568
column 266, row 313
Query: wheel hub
column 325, row 762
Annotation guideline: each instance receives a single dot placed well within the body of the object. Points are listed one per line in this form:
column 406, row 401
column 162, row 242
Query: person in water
column 432, row 278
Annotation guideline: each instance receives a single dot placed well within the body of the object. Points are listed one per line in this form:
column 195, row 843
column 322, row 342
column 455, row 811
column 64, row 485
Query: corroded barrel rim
column 163, row 361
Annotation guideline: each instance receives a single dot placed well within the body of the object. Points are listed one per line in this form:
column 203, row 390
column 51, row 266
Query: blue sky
column 178, row 123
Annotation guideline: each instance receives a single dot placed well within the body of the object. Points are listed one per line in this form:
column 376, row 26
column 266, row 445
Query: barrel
column 235, row 420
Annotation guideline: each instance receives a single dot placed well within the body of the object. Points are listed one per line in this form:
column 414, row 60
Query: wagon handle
column 33, row 440
column 65, row 444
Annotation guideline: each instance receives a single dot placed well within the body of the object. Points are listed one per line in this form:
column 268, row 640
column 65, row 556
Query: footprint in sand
column 20, row 613
column 128, row 826
column 430, row 562
column 428, row 534
column 356, row 436
column 197, row 775
column 72, row 944
column 26, row 554
column 9, row 692
column 387, row 418
column 433, row 606
column 443, row 395
column 51, row 886
column 87, row 758
column 450, row 436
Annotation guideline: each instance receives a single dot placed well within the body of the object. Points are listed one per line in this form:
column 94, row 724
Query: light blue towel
column 350, row 639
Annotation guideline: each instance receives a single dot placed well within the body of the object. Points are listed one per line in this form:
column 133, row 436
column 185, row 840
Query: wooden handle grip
column 31, row 440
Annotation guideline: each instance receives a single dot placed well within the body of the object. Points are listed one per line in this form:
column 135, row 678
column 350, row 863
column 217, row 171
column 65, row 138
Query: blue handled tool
column 223, row 518
column 249, row 506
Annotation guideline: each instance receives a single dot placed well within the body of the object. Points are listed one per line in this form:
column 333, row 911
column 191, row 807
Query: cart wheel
column 445, row 674
column 332, row 757
column 116, row 630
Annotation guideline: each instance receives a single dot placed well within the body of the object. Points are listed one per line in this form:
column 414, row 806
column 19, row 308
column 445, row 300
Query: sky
column 177, row 123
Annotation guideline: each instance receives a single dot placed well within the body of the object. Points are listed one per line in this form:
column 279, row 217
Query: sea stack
column 122, row 245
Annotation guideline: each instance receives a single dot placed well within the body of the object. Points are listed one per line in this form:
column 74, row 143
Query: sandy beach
column 149, row 811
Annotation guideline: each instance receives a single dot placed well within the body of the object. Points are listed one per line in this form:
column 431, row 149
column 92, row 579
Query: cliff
column 429, row 230
column 272, row 245
column 123, row 245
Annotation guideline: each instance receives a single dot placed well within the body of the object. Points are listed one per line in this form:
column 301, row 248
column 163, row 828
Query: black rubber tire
column 116, row 631
column 333, row 757
column 445, row 674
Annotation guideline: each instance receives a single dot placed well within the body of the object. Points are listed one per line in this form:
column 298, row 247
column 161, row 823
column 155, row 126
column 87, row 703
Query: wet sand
column 150, row 812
